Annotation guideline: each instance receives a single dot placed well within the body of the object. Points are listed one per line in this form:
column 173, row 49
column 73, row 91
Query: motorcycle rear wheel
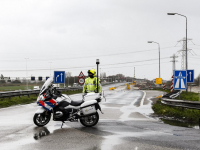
column 90, row 120
column 41, row 119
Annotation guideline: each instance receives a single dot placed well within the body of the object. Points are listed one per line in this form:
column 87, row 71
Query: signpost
column 40, row 78
column 59, row 77
column 81, row 75
column 180, row 79
column 190, row 76
column 158, row 80
column 81, row 78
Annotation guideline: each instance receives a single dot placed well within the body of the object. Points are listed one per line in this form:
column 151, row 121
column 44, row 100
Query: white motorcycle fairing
column 64, row 97
column 40, row 110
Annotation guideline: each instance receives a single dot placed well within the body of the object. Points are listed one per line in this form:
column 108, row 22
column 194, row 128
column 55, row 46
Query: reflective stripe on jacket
column 91, row 85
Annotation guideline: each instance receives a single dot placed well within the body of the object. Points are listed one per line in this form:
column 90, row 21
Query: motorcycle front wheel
column 41, row 119
column 90, row 120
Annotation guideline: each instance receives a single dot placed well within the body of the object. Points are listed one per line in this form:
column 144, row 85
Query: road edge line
column 142, row 100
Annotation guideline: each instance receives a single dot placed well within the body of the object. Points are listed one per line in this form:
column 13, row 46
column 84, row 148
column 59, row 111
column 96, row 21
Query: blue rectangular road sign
column 180, row 79
column 190, row 76
column 59, row 76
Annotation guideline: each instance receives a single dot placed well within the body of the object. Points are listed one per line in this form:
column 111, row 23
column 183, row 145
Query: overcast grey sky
column 69, row 35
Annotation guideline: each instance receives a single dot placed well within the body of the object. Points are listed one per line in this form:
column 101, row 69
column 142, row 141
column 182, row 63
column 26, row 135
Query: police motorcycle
column 63, row 108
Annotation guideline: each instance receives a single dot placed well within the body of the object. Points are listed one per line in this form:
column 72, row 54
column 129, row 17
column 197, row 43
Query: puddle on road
column 43, row 131
column 114, row 140
column 180, row 123
column 110, row 142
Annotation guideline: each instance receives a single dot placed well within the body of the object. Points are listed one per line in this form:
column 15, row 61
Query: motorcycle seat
column 76, row 103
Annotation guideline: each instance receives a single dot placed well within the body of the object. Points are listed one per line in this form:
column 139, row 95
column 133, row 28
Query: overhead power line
column 135, row 65
column 114, row 54
column 89, row 66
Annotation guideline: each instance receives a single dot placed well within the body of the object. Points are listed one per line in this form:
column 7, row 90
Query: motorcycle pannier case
column 88, row 107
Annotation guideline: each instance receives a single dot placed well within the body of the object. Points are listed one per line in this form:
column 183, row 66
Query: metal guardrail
column 181, row 103
column 167, row 100
column 173, row 94
column 30, row 92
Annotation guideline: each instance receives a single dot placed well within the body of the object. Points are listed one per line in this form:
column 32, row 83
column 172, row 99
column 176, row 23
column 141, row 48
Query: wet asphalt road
column 125, row 124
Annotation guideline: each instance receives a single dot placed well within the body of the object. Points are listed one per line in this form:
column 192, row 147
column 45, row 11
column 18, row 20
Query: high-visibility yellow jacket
column 91, row 85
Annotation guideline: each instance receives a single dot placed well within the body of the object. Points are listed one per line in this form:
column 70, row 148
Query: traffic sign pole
column 97, row 62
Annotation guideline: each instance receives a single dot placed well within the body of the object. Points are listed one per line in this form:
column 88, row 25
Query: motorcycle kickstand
column 62, row 124
column 102, row 112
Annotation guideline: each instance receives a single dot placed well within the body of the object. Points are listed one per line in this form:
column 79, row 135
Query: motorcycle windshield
column 46, row 85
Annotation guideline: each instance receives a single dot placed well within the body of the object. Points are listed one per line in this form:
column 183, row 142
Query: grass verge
column 190, row 96
column 6, row 102
column 189, row 115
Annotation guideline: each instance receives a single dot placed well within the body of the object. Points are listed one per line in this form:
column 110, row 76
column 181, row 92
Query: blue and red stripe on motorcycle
column 48, row 104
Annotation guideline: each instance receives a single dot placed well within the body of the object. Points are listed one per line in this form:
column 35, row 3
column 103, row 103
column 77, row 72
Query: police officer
column 91, row 83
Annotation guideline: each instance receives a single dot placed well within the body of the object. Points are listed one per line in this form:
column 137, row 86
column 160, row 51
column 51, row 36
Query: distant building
column 6, row 79
column 140, row 81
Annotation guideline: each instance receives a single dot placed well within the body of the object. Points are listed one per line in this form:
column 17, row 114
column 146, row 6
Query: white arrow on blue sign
column 59, row 76
column 180, row 79
column 190, row 76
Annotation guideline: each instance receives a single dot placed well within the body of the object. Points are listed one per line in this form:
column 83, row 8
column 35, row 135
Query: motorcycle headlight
column 38, row 99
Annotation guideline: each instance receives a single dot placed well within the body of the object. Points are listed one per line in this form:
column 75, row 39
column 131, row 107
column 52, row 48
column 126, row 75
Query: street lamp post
column 186, row 65
column 158, row 53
